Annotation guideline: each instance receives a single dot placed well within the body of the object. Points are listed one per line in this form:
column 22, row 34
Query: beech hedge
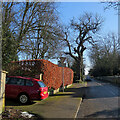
column 52, row 75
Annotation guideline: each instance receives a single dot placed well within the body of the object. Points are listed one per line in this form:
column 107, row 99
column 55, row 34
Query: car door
column 7, row 88
column 12, row 88
column 32, row 89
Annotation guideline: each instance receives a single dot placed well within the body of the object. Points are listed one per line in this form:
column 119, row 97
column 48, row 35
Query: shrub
column 52, row 74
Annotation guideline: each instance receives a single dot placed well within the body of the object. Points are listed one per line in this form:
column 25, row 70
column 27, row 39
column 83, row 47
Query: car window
column 41, row 84
column 12, row 81
column 15, row 81
column 29, row 83
column 20, row 81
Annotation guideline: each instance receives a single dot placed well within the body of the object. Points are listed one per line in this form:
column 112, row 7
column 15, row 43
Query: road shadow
column 107, row 113
column 105, row 81
column 73, row 92
column 95, row 92
column 92, row 91
column 63, row 94
column 13, row 102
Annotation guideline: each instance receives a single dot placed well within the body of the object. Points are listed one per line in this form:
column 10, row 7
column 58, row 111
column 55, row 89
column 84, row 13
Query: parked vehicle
column 25, row 89
column 88, row 78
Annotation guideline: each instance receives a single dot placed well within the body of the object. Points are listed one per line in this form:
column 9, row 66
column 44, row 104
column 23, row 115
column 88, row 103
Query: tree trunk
column 81, row 68
column 80, row 71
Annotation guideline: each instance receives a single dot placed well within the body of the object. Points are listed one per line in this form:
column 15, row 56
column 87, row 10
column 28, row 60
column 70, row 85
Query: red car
column 25, row 89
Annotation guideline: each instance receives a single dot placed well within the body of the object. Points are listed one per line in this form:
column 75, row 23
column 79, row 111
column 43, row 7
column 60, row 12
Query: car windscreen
column 41, row 84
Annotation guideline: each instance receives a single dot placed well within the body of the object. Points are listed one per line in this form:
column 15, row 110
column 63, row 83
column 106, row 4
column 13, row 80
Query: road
column 101, row 100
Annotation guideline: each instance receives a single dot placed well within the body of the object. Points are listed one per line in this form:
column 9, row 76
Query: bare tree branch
column 85, row 28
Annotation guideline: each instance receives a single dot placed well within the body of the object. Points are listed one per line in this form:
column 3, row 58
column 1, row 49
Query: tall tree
column 105, row 56
column 9, row 49
column 115, row 5
column 84, row 29
column 43, row 39
column 31, row 29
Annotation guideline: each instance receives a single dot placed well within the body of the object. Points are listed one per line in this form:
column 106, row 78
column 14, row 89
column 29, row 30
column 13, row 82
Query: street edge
column 78, row 108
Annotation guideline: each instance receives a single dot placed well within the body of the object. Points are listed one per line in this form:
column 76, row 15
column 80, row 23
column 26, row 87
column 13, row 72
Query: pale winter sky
column 68, row 10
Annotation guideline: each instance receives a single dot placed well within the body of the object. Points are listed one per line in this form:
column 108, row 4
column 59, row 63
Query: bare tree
column 31, row 29
column 105, row 56
column 115, row 5
column 84, row 29
column 111, row 4
column 43, row 38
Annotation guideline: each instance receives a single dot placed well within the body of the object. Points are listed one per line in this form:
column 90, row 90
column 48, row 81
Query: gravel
column 13, row 114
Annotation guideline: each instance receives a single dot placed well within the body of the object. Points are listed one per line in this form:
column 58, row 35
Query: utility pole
column 2, row 91
column 62, row 64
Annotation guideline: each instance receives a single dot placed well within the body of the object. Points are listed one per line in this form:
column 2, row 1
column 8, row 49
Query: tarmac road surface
column 101, row 100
